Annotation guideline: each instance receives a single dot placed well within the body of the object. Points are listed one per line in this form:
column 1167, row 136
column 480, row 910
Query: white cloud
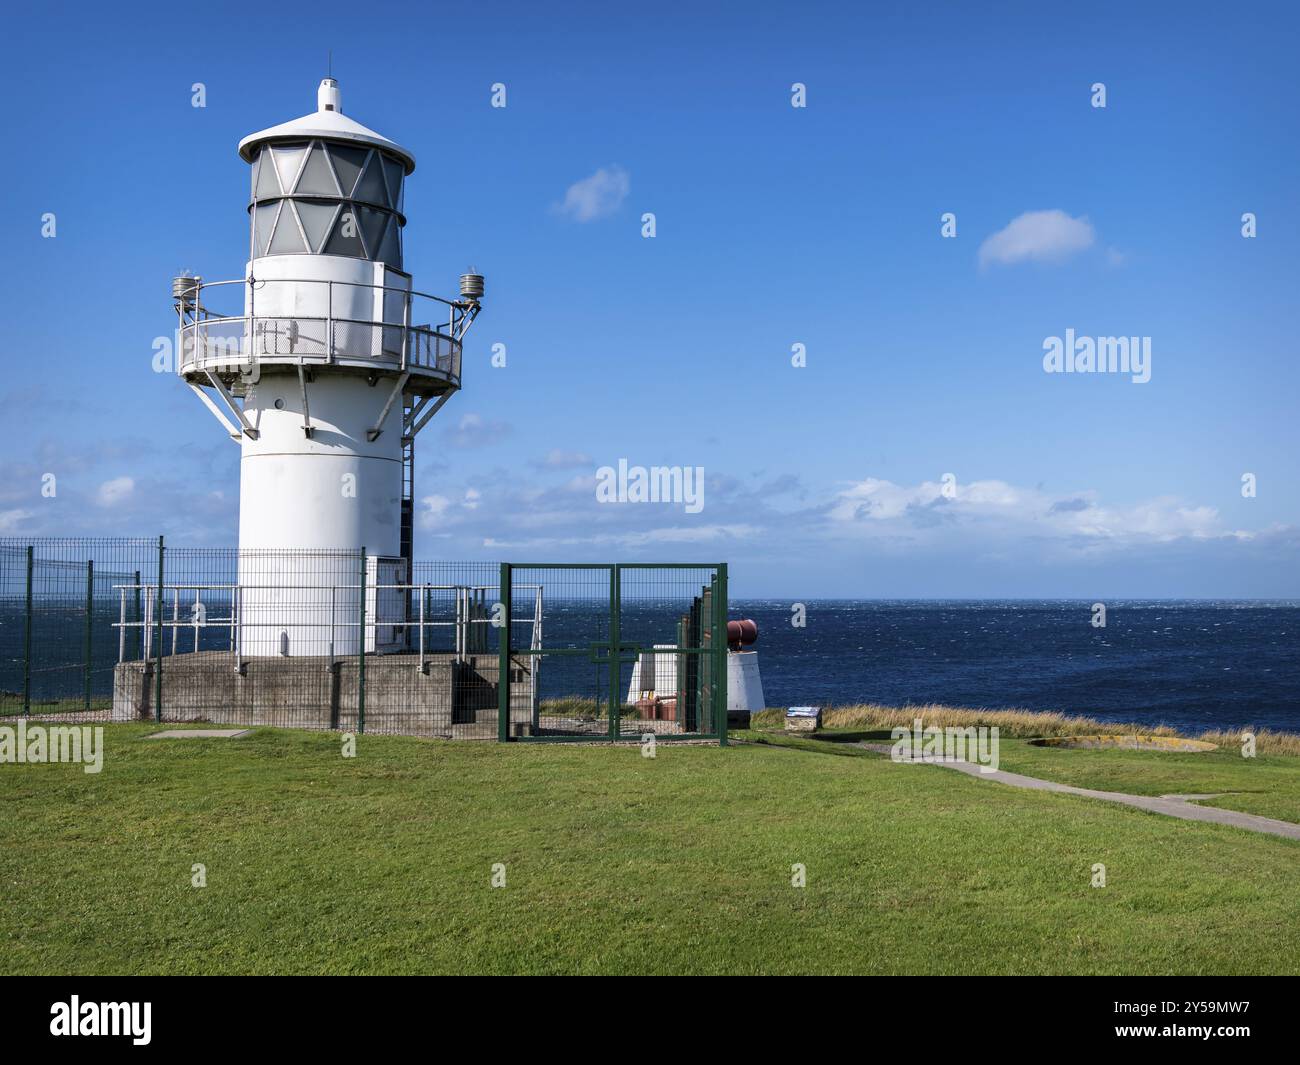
column 116, row 491
column 473, row 431
column 974, row 519
column 1038, row 236
column 632, row 539
column 11, row 520
column 995, row 511
column 435, row 507
column 596, row 196
column 556, row 459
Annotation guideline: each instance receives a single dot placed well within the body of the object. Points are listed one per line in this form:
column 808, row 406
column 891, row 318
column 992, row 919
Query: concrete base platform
column 449, row 698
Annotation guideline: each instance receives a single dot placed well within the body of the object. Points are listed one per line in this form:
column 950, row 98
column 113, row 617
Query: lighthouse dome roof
column 328, row 122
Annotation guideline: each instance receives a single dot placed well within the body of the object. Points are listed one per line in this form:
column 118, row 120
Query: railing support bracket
column 373, row 434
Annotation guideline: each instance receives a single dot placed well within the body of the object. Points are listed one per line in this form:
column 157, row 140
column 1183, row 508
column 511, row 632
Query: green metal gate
column 614, row 651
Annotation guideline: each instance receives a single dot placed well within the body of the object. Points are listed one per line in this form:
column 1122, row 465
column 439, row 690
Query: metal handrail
column 262, row 282
column 460, row 313
column 463, row 619
column 427, row 353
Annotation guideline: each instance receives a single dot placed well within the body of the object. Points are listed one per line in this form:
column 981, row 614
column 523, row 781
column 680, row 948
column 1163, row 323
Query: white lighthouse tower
column 323, row 363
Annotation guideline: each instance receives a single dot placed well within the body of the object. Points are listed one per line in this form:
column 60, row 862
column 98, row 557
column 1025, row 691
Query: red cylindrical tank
column 741, row 634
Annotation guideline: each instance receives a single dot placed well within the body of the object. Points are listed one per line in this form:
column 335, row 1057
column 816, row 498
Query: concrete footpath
column 1169, row 805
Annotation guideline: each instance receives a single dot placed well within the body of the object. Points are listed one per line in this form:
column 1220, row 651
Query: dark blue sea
column 1193, row 665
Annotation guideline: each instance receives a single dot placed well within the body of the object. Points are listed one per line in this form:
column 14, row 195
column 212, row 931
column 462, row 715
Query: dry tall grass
column 1266, row 740
column 1019, row 724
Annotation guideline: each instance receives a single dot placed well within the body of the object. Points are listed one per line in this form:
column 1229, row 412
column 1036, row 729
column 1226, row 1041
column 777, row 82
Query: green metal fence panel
column 60, row 601
column 126, row 629
column 625, row 650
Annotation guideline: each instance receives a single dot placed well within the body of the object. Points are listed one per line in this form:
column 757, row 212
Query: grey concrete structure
column 451, row 698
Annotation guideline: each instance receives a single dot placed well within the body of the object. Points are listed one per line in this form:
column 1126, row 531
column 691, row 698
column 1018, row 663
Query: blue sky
column 775, row 226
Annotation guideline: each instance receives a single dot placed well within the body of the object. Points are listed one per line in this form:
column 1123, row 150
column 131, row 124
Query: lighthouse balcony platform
column 313, row 324
column 238, row 347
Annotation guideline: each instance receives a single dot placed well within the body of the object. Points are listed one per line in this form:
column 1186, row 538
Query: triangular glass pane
column 345, row 238
column 390, row 251
column 287, row 239
column 347, row 164
column 372, row 228
column 371, row 186
column 317, row 178
column 267, row 185
column 393, row 171
column 263, row 222
column 316, row 219
column 288, row 161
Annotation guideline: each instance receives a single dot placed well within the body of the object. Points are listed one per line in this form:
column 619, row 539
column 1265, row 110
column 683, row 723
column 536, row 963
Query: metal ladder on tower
column 407, row 517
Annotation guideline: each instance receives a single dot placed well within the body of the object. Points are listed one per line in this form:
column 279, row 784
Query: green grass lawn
column 614, row 863
column 1268, row 785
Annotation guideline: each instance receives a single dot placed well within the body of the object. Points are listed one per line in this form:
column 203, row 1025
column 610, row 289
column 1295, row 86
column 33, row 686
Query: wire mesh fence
column 623, row 651
column 60, row 600
column 673, row 622
column 135, row 629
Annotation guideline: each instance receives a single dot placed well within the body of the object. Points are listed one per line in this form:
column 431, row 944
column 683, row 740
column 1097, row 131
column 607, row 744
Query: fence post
column 420, row 665
column 139, row 620
column 361, row 653
column 90, row 610
column 334, row 591
column 720, row 636
column 680, row 661
column 615, row 653
column 503, row 657
column 158, row 654
column 27, row 637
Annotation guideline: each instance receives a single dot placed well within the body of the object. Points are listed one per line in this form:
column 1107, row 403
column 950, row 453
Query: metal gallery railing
column 313, row 321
